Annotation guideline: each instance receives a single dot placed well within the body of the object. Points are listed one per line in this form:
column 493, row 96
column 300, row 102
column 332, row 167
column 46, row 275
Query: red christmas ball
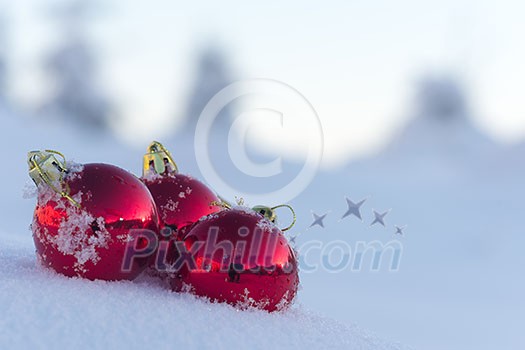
column 90, row 219
column 181, row 200
column 239, row 257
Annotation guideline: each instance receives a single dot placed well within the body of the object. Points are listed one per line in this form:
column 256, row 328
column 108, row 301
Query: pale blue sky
column 355, row 61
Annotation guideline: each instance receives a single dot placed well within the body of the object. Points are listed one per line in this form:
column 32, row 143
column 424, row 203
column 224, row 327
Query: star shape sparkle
column 399, row 230
column 379, row 218
column 318, row 220
column 353, row 208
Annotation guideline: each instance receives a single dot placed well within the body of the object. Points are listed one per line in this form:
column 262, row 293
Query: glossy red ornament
column 239, row 257
column 181, row 200
column 86, row 217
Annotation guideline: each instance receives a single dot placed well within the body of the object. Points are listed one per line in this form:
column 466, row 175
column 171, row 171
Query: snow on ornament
column 88, row 216
column 238, row 256
column 181, row 200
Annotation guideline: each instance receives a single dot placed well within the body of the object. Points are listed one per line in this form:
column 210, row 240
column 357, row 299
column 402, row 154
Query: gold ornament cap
column 46, row 169
column 270, row 214
column 158, row 160
column 265, row 211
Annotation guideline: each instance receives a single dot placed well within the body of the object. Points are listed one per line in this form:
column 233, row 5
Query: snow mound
column 41, row 309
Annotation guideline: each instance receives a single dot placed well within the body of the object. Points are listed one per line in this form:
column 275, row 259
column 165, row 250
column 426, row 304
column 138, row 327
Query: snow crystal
column 284, row 303
column 167, row 208
column 74, row 167
column 210, row 216
column 187, row 288
column 171, row 205
column 63, row 203
column 125, row 238
column 87, row 196
column 151, row 176
column 75, row 236
column 182, row 195
column 266, row 225
column 248, row 302
column 246, row 210
column 40, row 232
column 46, row 194
column 30, row 190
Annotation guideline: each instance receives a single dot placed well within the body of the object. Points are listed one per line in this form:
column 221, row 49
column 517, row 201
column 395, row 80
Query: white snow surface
column 41, row 309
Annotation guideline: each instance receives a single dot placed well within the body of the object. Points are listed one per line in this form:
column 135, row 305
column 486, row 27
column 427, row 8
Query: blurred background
column 422, row 111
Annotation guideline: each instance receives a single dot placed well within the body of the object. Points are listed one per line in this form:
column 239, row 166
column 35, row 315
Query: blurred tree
column 441, row 98
column 442, row 124
column 78, row 97
column 213, row 74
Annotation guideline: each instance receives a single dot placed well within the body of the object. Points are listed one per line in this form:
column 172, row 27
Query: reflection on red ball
column 241, row 258
column 90, row 241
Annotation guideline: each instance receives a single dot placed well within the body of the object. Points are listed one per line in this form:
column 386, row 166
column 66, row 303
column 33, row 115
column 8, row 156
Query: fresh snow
column 41, row 309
